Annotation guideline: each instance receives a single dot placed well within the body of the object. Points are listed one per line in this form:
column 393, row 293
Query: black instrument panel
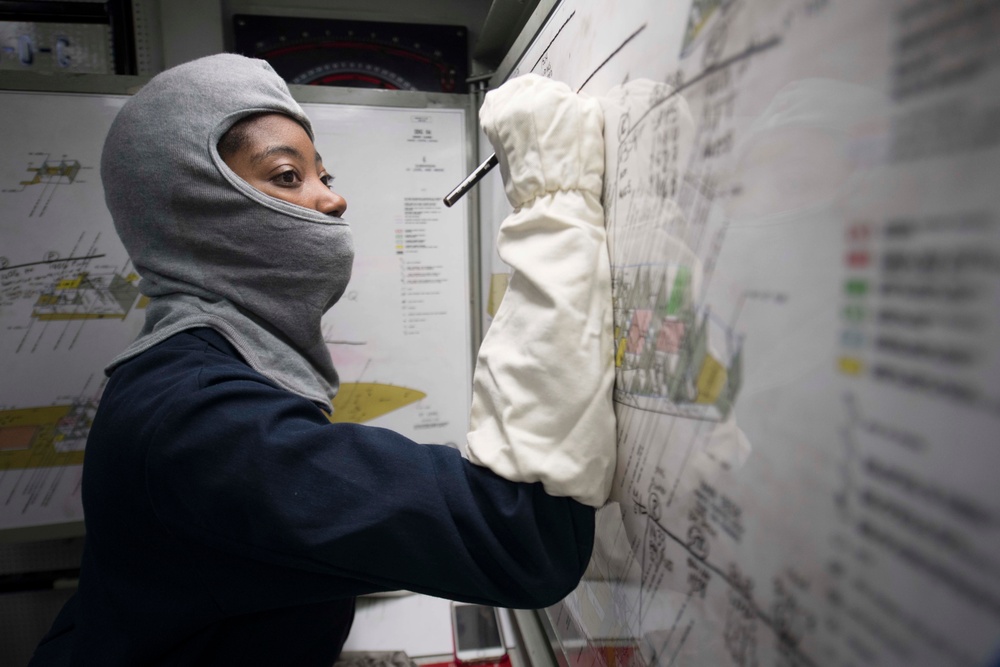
column 357, row 54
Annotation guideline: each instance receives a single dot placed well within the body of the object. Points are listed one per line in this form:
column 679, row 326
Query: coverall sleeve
column 541, row 407
column 256, row 472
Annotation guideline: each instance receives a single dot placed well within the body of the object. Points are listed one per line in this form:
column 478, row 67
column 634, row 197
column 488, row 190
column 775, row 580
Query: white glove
column 541, row 405
column 546, row 137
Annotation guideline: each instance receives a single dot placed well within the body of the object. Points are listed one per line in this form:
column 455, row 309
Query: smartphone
column 476, row 632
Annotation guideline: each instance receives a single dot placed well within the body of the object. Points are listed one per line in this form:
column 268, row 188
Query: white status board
column 804, row 228
column 70, row 299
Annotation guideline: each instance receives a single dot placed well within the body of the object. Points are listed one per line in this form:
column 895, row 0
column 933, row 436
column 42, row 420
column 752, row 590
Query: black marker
column 473, row 178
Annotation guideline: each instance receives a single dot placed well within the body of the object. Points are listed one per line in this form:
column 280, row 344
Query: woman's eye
column 327, row 180
column 286, row 178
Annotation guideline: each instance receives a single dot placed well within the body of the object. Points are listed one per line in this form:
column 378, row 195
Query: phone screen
column 476, row 628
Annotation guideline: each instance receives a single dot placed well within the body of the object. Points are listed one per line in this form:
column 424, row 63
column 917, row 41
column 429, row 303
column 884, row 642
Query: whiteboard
column 69, row 300
column 802, row 209
column 400, row 337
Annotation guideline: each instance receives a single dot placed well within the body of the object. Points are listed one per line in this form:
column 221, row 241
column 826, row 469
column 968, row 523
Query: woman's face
column 279, row 159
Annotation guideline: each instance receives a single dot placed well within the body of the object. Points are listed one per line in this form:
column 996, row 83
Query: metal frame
column 534, row 24
column 52, row 531
column 475, row 101
column 537, row 636
column 93, row 84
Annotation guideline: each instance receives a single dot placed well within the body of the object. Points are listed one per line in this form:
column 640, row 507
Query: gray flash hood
column 211, row 250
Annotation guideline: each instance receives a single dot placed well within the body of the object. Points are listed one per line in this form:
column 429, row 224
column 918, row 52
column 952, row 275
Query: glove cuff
column 546, row 137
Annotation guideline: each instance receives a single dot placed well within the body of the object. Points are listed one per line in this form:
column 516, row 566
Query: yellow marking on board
column 711, row 380
column 359, row 402
column 850, row 365
column 498, row 287
column 142, row 302
column 28, row 438
column 69, row 283
column 620, row 354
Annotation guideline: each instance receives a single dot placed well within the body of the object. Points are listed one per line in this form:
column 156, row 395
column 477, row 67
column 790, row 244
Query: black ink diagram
column 45, row 306
column 673, row 355
column 77, row 288
column 47, row 177
column 87, row 296
column 753, row 624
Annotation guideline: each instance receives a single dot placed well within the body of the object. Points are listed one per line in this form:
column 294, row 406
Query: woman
column 228, row 521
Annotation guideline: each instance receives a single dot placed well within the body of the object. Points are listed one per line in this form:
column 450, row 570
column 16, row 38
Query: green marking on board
column 677, row 295
column 856, row 287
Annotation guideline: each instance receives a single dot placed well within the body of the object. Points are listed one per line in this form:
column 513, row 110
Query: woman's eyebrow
column 280, row 149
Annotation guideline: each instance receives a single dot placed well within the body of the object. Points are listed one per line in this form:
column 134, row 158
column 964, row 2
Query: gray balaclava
column 211, row 250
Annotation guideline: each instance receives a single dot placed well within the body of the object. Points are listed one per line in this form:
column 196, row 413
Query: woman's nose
column 330, row 203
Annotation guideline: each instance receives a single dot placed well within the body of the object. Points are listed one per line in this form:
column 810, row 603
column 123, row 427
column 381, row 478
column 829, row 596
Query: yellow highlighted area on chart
column 34, row 437
column 360, row 402
column 850, row 365
column 711, row 380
